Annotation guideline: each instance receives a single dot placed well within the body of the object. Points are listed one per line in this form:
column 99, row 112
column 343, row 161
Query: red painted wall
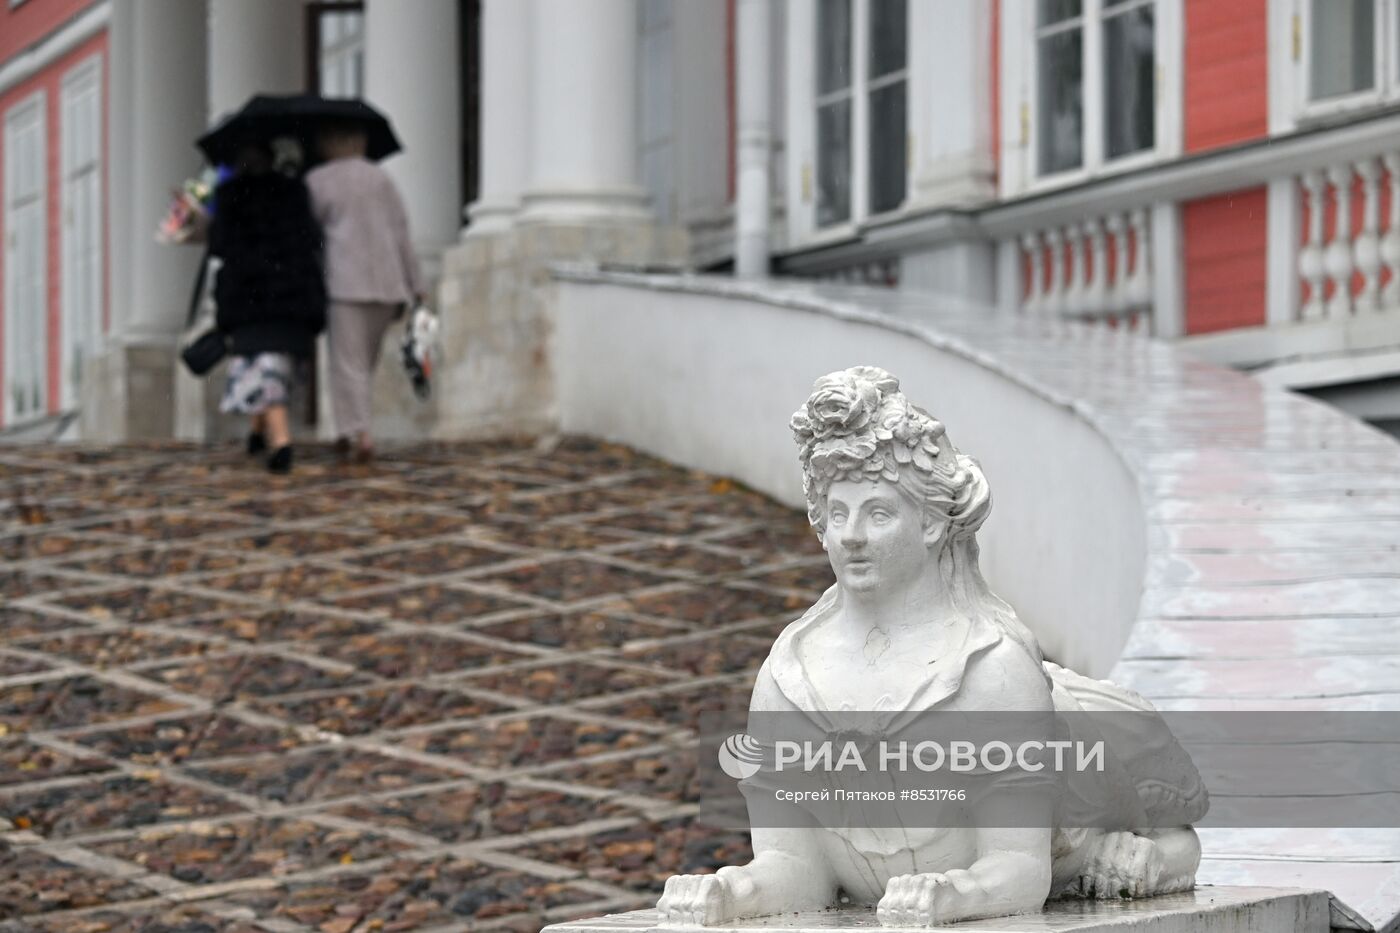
column 1225, row 240
column 1226, row 72
column 32, row 20
column 50, row 81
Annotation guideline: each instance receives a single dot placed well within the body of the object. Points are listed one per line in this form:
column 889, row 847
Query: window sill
column 1322, row 114
column 1070, row 179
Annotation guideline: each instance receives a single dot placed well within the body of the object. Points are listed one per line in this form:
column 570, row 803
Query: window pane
column 1060, row 104
column 1053, row 11
column 331, row 28
column 887, row 147
column 1129, row 102
column 833, row 45
column 1343, row 47
column 889, row 36
column 834, row 163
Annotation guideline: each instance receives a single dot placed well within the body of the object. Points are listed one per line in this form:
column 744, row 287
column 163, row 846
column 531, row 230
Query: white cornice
column 55, row 45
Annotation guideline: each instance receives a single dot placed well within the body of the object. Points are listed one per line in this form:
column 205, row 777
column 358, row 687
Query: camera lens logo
column 740, row 756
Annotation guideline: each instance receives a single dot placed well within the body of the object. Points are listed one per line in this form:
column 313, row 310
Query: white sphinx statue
column 911, row 626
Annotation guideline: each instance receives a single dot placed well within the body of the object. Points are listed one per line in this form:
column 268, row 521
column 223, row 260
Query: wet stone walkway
column 453, row 690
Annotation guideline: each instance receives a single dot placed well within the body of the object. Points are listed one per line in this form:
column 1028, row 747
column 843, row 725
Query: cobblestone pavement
column 453, row 690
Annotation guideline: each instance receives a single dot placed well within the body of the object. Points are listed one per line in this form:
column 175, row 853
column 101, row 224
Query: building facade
column 1214, row 173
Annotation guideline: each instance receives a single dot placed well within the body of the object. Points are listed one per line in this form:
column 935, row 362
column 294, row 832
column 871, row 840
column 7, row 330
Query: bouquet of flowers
column 191, row 206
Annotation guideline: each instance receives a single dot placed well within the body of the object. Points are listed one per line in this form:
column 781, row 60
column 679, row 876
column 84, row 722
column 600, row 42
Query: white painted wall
column 950, row 132
column 710, row 381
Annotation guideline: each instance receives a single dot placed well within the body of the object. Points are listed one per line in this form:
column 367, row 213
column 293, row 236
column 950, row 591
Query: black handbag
column 204, row 352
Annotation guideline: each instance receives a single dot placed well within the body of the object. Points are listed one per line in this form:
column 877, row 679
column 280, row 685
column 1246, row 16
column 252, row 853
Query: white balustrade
column 1310, row 264
column 1075, row 268
column 1337, row 257
column 1356, row 270
column 1055, row 284
column 1096, row 289
column 1098, row 269
column 1366, row 251
column 1031, row 245
column 1390, row 243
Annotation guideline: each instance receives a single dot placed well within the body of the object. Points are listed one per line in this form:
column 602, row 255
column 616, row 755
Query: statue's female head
column 857, row 425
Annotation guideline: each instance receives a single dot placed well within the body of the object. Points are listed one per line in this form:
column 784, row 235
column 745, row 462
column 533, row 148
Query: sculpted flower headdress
column 858, row 425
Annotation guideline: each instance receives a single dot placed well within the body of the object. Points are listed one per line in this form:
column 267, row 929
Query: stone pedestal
column 1205, row 910
column 496, row 374
column 128, row 393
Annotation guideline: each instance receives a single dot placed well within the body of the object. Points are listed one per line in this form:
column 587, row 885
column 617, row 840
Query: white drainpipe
column 753, row 140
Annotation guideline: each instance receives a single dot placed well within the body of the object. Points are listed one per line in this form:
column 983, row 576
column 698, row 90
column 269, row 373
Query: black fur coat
column 270, row 293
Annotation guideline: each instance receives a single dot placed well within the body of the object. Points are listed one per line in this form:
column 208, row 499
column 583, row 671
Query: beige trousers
column 356, row 329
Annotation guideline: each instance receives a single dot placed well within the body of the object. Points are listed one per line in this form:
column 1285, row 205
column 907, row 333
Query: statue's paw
column 923, row 900
column 694, row 900
column 1123, row 865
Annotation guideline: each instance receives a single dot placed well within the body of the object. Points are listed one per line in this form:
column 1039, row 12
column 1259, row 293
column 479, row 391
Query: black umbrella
column 301, row 116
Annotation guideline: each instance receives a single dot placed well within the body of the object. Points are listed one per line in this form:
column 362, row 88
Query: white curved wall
column 709, row 380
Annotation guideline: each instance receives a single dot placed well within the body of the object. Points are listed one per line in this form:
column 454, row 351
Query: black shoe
column 256, row 443
column 281, row 460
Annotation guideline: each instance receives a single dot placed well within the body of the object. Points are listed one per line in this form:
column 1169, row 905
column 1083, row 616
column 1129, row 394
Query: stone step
column 1204, row 910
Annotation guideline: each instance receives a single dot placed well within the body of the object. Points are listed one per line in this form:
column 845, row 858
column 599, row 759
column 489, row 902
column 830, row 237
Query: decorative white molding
column 54, row 46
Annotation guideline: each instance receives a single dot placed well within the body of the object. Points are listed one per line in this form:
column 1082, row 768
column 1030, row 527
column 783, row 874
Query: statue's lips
column 859, row 563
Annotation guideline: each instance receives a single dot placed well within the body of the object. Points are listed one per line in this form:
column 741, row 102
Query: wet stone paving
column 455, row 689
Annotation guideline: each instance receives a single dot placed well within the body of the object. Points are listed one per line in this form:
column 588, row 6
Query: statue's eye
column 879, row 516
column 837, row 517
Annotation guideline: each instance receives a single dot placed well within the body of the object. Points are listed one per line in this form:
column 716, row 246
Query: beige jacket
column 369, row 254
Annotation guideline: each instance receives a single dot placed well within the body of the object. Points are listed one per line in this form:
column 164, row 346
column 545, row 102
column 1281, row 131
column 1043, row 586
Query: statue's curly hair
column 857, row 425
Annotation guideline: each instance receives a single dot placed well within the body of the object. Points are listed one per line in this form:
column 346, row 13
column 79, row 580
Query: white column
column 1281, row 292
column 413, row 74
column 1161, row 270
column 255, row 47
column 754, row 140
column 583, row 130
column 505, row 109
column 950, row 102
column 158, row 109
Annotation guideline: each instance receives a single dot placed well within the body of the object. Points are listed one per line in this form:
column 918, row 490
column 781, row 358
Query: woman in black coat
column 270, row 294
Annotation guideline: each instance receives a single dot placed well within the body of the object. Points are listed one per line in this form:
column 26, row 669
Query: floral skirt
column 256, row 383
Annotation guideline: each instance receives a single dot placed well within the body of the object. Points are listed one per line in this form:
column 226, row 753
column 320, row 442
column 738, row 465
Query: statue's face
column 874, row 536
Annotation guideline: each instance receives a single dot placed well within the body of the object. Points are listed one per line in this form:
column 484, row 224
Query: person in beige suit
column 371, row 271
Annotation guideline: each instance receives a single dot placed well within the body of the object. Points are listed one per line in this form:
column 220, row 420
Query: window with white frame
column 1348, row 52
column 342, row 53
column 861, row 102
column 26, row 231
column 1095, row 80
column 81, row 241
